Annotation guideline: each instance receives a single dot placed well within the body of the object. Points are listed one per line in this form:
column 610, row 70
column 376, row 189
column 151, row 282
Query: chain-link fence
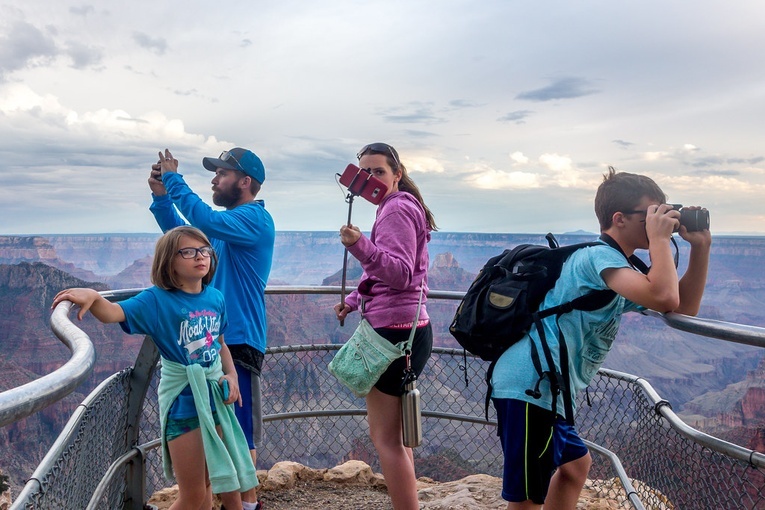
column 92, row 440
column 304, row 400
column 672, row 462
column 313, row 420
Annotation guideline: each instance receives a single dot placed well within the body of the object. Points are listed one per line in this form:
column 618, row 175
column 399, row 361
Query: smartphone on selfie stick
column 361, row 183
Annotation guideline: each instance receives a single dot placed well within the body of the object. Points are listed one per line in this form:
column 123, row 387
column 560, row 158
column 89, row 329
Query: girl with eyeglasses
column 395, row 262
column 202, row 442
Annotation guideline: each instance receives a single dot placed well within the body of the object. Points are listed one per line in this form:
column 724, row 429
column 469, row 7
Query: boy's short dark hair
column 622, row 191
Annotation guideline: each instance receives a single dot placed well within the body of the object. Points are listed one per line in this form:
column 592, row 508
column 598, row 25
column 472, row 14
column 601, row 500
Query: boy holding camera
column 545, row 460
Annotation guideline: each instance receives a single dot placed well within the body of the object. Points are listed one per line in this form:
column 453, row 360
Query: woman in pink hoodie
column 395, row 263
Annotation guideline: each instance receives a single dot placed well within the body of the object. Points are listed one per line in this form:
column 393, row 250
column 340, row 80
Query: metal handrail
column 728, row 331
column 616, row 463
column 135, row 454
column 662, row 407
column 22, row 401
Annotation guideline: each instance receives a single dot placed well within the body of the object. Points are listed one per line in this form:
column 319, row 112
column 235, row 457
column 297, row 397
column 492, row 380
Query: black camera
column 692, row 219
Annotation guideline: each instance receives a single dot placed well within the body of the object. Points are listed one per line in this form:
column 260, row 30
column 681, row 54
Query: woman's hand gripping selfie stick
column 359, row 183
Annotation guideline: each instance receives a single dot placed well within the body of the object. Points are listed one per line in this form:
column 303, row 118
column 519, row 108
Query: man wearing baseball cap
column 243, row 238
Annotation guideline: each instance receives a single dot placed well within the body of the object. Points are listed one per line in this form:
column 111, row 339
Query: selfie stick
column 375, row 191
column 349, row 198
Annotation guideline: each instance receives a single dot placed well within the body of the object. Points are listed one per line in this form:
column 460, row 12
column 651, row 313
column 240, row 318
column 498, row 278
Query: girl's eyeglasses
column 191, row 253
column 383, row 148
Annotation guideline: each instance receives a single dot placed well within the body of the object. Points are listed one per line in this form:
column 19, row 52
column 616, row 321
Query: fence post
column 140, row 379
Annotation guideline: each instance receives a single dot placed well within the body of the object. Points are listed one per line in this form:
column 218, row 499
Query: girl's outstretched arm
column 89, row 299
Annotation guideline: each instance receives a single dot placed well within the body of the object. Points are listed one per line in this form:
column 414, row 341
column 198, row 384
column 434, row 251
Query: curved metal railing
column 22, row 401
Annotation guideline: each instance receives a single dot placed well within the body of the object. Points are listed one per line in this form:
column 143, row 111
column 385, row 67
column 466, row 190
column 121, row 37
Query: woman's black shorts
column 391, row 382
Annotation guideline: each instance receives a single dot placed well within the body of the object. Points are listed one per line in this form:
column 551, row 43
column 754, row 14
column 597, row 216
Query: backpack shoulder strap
column 593, row 300
column 560, row 382
column 633, row 259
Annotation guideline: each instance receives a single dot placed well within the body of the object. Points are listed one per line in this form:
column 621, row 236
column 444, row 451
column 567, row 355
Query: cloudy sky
column 506, row 112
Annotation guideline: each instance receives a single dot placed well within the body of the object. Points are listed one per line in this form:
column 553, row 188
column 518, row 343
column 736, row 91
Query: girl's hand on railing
column 89, row 299
column 82, row 297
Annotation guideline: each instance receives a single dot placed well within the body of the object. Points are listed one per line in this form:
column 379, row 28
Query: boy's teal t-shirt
column 588, row 335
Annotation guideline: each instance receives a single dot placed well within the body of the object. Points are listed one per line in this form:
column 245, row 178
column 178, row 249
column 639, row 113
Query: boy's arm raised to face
column 657, row 290
column 660, row 289
column 695, row 278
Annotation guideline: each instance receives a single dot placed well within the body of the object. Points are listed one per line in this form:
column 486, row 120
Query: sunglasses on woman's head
column 380, row 147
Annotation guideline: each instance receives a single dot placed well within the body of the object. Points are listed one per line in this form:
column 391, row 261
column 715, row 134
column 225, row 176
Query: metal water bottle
column 411, row 416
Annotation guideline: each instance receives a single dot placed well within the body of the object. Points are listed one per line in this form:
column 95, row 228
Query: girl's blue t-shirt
column 588, row 335
column 185, row 328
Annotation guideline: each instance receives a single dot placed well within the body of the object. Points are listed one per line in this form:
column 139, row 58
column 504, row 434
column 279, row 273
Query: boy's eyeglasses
column 380, row 147
column 191, row 253
column 636, row 212
column 226, row 155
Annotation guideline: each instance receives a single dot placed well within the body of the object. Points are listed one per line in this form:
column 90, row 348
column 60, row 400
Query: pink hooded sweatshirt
column 395, row 263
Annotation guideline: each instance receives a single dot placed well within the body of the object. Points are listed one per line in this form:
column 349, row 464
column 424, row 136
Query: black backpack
column 502, row 304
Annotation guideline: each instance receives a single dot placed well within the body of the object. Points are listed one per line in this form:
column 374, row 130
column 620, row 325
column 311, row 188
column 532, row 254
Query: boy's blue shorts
column 534, row 443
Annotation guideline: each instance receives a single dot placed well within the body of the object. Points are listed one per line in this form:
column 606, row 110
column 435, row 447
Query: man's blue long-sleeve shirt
column 243, row 239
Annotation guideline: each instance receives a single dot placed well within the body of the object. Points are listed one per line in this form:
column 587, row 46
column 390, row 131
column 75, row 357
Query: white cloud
column 654, row 155
column 556, row 163
column 490, row 178
column 518, row 158
column 20, row 98
column 424, row 164
column 44, row 115
column 710, row 184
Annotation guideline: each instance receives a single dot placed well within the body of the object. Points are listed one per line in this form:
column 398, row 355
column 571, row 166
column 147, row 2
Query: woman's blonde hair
column 162, row 274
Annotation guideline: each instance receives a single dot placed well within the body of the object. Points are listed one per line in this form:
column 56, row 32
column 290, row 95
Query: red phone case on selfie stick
column 359, row 183
column 362, row 183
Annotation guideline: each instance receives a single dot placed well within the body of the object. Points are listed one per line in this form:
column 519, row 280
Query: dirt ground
column 477, row 492
column 320, row 494
column 306, row 495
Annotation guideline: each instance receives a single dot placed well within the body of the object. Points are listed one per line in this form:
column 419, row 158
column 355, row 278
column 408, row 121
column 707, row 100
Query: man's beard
column 227, row 199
